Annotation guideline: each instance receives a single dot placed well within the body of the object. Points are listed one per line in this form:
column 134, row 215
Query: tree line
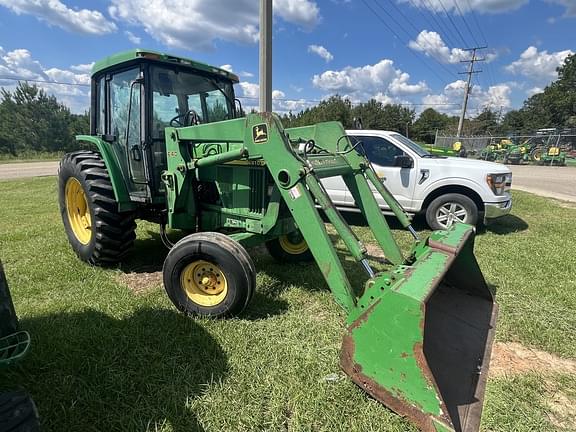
column 33, row 121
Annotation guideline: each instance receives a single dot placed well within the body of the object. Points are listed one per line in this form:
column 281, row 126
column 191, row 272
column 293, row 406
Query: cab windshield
column 179, row 96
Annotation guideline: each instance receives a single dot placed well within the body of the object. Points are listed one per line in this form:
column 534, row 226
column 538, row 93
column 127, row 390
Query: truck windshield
column 176, row 92
column 412, row 145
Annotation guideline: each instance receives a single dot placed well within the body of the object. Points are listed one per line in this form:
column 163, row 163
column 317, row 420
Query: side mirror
column 403, row 161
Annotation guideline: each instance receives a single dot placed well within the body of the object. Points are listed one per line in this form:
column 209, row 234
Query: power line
column 449, row 31
column 452, row 21
column 466, row 23
column 443, row 81
column 42, row 81
column 449, row 72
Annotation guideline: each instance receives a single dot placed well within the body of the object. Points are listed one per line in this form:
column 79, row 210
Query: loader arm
column 419, row 335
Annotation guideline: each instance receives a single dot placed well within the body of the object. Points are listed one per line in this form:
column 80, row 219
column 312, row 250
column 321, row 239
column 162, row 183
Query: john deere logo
column 260, row 134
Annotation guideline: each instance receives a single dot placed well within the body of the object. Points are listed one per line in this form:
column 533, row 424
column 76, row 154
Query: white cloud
column 249, row 94
column 570, row 6
column 303, row 12
column 534, row 90
column 365, row 82
column 539, row 66
column 136, row 40
column 278, row 94
column 321, row 51
column 20, row 65
column 83, row 68
column 431, row 44
column 243, row 74
column 450, row 99
column 490, row 6
column 56, row 13
column 196, row 24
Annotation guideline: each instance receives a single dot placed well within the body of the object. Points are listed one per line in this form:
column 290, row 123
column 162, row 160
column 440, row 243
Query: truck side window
column 380, row 151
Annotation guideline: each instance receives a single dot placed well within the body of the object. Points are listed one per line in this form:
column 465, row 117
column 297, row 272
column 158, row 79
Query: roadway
column 553, row 182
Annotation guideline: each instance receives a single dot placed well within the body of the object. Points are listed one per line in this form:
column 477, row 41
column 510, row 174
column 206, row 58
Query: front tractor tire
column 96, row 230
column 209, row 274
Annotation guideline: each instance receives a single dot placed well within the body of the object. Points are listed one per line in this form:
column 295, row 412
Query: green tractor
column 17, row 410
column 174, row 148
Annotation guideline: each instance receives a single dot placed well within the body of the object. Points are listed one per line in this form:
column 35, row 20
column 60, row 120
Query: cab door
column 125, row 92
column 399, row 181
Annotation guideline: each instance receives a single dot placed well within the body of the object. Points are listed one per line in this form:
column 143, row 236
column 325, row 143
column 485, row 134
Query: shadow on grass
column 88, row 371
column 504, row 225
column 148, row 255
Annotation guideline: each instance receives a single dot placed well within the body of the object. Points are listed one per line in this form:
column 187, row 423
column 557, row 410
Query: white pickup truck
column 444, row 189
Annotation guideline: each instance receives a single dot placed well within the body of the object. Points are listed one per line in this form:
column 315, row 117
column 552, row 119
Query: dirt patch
column 513, row 358
column 140, row 283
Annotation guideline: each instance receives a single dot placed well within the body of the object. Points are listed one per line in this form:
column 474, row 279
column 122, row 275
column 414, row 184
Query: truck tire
column 446, row 209
column 18, row 413
column 96, row 230
column 208, row 274
column 290, row 248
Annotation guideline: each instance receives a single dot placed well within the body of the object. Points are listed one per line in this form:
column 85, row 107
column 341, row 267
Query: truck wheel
column 209, row 274
column 450, row 208
column 290, row 248
column 96, row 230
column 18, row 413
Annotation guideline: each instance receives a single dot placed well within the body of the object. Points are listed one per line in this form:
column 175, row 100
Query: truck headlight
column 499, row 183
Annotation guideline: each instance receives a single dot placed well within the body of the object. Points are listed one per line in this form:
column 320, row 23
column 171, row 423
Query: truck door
column 400, row 181
column 125, row 96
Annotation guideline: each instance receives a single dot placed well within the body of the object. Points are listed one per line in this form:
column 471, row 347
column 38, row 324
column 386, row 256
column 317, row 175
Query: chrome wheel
column 449, row 213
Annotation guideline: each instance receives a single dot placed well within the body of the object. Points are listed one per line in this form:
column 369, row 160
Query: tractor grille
column 257, row 191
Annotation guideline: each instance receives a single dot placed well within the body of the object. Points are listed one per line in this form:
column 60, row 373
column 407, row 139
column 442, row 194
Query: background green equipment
column 173, row 147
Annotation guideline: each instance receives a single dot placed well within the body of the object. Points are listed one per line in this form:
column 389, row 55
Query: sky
column 410, row 52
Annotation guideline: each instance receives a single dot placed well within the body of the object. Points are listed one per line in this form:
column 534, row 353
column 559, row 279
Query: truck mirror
column 403, row 161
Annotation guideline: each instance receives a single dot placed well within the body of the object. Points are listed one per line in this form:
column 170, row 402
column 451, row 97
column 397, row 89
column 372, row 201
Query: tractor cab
column 137, row 94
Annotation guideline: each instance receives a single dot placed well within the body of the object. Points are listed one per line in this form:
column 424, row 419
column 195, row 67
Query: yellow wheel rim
column 78, row 211
column 293, row 243
column 205, row 283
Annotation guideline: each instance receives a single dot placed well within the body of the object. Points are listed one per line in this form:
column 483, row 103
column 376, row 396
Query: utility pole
column 468, row 87
column 265, row 55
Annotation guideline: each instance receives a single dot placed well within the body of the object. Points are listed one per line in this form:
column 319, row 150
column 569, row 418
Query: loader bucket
column 421, row 337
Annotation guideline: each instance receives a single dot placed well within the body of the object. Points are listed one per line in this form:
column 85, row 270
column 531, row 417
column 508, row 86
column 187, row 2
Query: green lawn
column 105, row 358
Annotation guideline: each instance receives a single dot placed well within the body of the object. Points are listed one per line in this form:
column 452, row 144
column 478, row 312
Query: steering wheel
column 191, row 117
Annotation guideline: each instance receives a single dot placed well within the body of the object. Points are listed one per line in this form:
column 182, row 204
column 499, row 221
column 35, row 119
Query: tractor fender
column 119, row 186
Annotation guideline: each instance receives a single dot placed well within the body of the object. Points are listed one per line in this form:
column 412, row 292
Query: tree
column 428, row 123
column 31, row 120
column 484, row 123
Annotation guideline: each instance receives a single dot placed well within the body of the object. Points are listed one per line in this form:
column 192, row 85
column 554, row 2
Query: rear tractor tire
column 291, row 248
column 209, row 274
column 96, row 230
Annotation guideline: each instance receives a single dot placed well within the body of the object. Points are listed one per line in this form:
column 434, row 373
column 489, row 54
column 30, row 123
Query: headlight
column 499, row 183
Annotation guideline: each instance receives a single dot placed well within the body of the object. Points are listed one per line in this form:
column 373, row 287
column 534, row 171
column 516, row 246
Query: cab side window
column 380, row 151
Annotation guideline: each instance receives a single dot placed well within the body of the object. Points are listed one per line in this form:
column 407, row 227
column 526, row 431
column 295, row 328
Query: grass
column 107, row 359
